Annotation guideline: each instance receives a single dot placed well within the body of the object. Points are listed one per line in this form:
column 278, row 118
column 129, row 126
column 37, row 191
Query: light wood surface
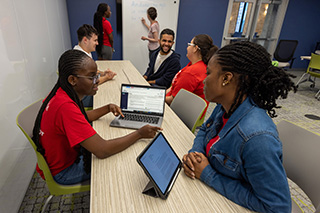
column 117, row 182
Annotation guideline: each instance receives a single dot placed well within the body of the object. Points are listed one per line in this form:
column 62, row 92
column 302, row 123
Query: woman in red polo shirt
column 62, row 132
column 191, row 77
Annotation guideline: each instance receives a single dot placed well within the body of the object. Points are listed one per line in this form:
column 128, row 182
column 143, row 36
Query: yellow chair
column 313, row 70
column 189, row 107
column 25, row 121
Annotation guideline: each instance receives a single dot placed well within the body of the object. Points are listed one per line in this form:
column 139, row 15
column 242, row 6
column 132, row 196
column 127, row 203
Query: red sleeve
column 186, row 81
column 73, row 124
column 107, row 27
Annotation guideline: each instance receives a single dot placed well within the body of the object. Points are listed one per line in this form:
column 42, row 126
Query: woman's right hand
column 143, row 20
column 148, row 131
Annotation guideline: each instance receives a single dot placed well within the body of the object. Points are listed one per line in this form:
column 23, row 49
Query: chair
column 284, row 52
column 25, row 121
column 301, row 160
column 313, row 70
column 189, row 107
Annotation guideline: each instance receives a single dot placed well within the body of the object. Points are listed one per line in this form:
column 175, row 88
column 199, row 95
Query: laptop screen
column 161, row 162
column 145, row 99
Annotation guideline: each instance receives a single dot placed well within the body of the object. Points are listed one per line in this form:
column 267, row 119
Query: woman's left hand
column 144, row 38
column 115, row 109
column 199, row 161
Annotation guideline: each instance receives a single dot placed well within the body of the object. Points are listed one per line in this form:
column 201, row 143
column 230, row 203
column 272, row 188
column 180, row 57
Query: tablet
column 162, row 166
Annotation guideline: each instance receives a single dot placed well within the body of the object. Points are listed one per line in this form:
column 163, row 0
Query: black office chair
column 285, row 51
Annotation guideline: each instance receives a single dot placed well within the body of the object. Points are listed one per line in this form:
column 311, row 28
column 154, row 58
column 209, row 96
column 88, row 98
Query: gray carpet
column 294, row 109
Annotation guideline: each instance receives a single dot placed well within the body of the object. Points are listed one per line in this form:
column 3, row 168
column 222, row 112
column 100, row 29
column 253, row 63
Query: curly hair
column 70, row 63
column 258, row 79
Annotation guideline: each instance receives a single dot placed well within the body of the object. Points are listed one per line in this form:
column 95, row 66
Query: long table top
column 117, row 181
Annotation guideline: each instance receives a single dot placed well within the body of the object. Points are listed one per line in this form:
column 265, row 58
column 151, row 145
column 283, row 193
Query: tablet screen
column 161, row 162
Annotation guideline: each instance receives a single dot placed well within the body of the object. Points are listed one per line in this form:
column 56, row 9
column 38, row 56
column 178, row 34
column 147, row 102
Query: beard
column 166, row 52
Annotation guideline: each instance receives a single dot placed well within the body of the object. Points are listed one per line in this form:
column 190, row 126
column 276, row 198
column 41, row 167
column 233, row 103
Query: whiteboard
column 134, row 49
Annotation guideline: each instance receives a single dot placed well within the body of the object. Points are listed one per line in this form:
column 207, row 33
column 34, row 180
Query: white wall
column 33, row 34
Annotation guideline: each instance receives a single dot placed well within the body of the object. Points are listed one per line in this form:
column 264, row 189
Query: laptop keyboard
column 140, row 118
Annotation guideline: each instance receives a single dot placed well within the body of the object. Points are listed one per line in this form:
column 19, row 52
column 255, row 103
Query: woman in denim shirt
column 238, row 151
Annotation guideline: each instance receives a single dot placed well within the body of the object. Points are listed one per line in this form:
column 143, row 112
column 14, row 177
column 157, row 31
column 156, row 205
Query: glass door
column 259, row 21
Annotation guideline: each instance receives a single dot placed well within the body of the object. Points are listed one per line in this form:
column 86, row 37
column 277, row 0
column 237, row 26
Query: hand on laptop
column 116, row 110
column 148, row 131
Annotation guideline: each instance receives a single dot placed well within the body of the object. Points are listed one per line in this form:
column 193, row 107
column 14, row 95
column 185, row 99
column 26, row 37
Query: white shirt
column 160, row 59
column 77, row 47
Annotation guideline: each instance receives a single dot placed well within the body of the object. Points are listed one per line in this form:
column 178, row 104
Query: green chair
column 25, row 121
column 313, row 70
column 189, row 107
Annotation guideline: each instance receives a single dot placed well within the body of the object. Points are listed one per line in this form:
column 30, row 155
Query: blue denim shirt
column 246, row 163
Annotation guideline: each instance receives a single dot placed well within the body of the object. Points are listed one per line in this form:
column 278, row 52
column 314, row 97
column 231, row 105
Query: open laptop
column 140, row 105
column 162, row 166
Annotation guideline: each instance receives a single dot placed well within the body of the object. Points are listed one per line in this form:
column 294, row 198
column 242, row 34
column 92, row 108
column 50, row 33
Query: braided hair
column 70, row 63
column 258, row 79
column 207, row 48
column 97, row 23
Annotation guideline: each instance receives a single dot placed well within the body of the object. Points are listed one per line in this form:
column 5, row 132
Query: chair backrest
column 285, row 50
column 301, row 159
column 25, row 121
column 189, row 108
column 314, row 64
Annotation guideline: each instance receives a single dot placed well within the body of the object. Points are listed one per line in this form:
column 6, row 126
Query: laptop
column 140, row 105
column 162, row 166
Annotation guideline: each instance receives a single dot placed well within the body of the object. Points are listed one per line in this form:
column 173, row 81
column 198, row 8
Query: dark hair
column 70, row 63
column 97, row 23
column 207, row 48
column 258, row 79
column 168, row 32
column 86, row 30
column 152, row 12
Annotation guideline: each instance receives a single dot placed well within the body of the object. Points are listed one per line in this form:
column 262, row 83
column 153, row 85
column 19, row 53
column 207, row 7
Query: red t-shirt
column 63, row 127
column 216, row 138
column 190, row 78
column 107, row 29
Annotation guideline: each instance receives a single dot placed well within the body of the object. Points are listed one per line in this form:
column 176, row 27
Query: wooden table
column 117, row 182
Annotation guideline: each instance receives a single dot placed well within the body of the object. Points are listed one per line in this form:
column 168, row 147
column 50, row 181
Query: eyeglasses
column 93, row 78
column 190, row 44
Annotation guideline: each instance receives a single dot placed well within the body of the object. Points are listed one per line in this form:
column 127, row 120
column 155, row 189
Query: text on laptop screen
column 142, row 99
column 161, row 162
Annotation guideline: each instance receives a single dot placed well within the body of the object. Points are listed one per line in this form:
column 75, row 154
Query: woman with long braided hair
column 237, row 150
column 62, row 132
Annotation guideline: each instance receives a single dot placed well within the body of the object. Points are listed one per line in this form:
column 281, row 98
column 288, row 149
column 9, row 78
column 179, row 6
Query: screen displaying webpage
column 142, row 99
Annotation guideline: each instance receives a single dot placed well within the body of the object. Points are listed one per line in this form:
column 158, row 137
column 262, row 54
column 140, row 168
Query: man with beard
column 164, row 63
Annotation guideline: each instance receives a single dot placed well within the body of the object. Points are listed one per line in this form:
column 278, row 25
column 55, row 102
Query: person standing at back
column 153, row 29
column 105, row 48
column 164, row 62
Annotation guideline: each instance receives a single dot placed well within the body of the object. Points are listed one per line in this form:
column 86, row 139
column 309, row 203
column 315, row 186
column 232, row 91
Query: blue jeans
column 73, row 174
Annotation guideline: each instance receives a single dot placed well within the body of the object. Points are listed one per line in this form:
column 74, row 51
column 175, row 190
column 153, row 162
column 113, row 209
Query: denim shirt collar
column 245, row 107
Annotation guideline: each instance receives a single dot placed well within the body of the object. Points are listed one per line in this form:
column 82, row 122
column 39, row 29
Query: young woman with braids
column 237, row 151
column 191, row 77
column 105, row 39
column 62, row 131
